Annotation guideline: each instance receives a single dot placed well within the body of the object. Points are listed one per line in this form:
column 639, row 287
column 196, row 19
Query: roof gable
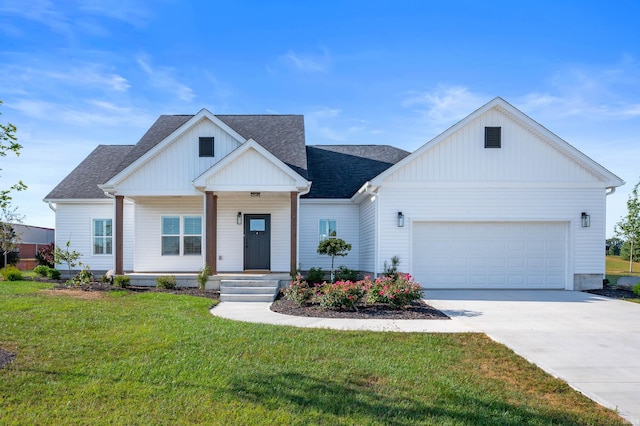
column 529, row 153
column 250, row 168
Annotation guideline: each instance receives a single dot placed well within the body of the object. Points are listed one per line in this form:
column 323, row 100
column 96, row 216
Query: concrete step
column 248, row 290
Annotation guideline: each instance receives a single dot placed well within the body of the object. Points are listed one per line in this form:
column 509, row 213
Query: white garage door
column 490, row 254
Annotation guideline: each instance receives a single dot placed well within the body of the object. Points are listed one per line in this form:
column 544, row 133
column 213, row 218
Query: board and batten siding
column 178, row 164
column 231, row 235
column 347, row 215
column 74, row 222
column 477, row 204
column 252, row 171
column 461, row 157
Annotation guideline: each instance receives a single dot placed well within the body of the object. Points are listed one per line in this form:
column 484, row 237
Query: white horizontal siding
column 231, row 235
column 347, row 216
column 74, row 223
column 251, row 169
column 462, row 157
column 176, row 166
column 148, row 227
column 586, row 245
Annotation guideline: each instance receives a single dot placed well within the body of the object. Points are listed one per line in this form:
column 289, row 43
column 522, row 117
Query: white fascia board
column 251, row 188
column 160, row 193
column 201, row 115
column 200, row 181
column 79, row 200
column 497, row 185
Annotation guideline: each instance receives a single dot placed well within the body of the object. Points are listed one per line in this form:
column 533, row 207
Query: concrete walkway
column 591, row 342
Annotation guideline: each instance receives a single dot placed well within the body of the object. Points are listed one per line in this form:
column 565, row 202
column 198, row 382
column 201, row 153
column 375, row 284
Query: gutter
column 611, row 189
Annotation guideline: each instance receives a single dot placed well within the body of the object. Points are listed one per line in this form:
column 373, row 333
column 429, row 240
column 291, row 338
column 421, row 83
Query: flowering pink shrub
column 397, row 291
column 299, row 291
column 340, row 295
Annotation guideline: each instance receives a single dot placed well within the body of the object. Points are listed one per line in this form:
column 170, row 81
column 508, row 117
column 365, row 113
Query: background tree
column 333, row 247
column 9, row 143
column 629, row 228
column 9, row 237
column 46, row 255
column 613, row 246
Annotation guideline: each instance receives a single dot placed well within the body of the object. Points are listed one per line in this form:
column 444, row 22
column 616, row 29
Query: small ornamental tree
column 45, row 255
column 9, row 236
column 68, row 257
column 333, row 247
column 629, row 227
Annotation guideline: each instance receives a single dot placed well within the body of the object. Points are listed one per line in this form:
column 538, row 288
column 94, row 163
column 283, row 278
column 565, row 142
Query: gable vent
column 206, row 147
column 492, row 137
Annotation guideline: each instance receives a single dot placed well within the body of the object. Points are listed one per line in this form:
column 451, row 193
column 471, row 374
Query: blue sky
column 75, row 74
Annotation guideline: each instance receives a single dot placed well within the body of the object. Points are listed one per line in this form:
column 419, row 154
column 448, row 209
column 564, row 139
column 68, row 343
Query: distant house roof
column 337, row 171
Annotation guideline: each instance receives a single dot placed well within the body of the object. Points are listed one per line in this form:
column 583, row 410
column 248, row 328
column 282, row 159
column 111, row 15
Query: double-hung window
column 102, row 236
column 181, row 235
column 328, row 229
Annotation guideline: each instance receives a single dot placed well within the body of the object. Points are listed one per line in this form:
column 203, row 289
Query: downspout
column 612, row 190
column 53, row 209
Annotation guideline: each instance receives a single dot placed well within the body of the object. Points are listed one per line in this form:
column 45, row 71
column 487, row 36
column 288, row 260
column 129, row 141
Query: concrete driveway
column 591, row 342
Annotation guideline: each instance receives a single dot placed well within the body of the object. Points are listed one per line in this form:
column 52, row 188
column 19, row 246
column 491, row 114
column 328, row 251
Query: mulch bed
column 99, row 286
column 614, row 292
column 417, row 310
column 6, row 358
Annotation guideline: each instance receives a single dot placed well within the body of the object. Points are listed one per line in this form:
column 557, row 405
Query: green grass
column 154, row 358
column 616, row 267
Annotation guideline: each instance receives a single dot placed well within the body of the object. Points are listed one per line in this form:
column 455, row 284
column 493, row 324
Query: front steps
column 248, row 290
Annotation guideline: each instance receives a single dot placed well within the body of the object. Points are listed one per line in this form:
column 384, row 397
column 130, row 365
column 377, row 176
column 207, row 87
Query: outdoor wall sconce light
column 239, row 218
column 586, row 220
column 400, row 220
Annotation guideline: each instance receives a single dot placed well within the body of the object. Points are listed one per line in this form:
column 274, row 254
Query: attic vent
column 492, row 137
column 206, row 146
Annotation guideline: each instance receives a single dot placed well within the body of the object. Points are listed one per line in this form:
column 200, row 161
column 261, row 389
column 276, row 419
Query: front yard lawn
column 155, row 358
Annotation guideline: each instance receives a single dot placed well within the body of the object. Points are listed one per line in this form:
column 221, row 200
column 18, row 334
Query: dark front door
column 257, row 241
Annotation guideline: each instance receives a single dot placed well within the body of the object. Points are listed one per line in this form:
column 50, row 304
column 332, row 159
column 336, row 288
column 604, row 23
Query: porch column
column 119, row 234
column 294, row 233
column 211, row 220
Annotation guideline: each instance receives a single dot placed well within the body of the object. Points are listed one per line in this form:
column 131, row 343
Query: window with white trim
column 183, row 240
column 102, row 236
column 327, row 229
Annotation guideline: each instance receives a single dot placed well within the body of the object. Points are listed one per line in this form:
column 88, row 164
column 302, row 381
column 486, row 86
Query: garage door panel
column 490, row 255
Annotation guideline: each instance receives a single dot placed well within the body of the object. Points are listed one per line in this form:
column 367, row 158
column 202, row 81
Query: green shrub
column 315, row 275
column 345, row 274
column 391, row 269
column 54, row 274
column 11, row 273
column 166, row 281
column 636, row 289
column 203, row 276
column 83, row 277
column 122, row 281
column 340, row 295
column 299, row 291
column 42, row 270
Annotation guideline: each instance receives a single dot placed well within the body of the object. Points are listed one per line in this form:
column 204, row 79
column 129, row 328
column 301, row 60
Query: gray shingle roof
column 281, row 135
column 338, row 171
column 103, row 163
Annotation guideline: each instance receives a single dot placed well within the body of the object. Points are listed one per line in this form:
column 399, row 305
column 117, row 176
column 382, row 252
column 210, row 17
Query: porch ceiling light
column 239, row 218
column 400, row 220
column 586, row 220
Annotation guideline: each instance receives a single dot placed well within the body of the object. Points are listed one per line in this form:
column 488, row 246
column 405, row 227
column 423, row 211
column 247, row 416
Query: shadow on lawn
column 358, row 400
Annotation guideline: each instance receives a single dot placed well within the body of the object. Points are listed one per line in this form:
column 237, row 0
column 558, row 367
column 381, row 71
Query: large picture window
column 328, row 229
column 102, row 236
column 185, row 239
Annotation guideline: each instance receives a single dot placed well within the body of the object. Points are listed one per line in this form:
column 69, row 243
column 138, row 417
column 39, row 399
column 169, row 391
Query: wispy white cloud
column 134, row 12
column 44, row 12
column 442, row 107
column 329, row 125
column 162, row 78
column 308, row 62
